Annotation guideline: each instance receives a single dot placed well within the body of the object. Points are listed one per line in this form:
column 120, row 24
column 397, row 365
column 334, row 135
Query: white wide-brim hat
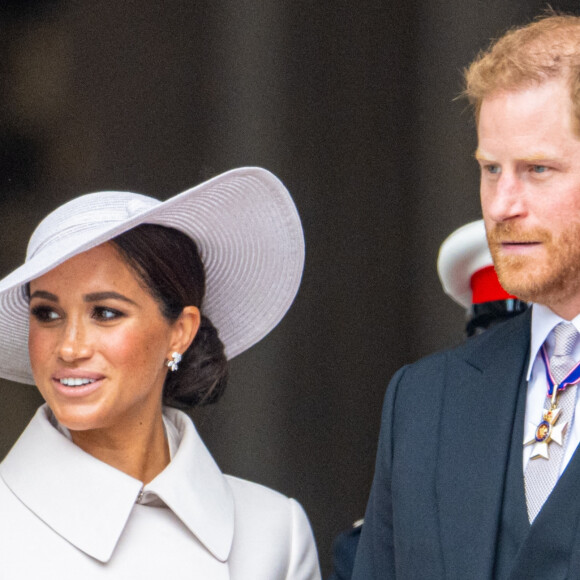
column 462, row 254
column 244, row 223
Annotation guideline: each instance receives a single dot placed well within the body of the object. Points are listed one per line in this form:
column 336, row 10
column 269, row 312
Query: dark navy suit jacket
column 436, row 510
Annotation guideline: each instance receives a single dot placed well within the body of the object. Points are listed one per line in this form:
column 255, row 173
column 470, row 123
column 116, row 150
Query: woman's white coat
column 64, row 514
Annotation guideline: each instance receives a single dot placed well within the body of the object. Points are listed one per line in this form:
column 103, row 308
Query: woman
column 121, row 324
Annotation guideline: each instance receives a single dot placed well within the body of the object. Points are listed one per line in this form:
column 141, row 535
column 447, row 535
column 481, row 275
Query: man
column 457, row 493
column 468, row 277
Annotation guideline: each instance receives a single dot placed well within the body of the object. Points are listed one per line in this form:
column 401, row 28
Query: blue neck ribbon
column 571, row 378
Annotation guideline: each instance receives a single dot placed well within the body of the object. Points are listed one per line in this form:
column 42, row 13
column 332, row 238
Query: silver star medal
column 546, row 432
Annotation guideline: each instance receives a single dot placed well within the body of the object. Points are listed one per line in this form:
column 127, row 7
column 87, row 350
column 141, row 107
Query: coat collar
column 195, row 489
column 88, row 502
column 476, row 430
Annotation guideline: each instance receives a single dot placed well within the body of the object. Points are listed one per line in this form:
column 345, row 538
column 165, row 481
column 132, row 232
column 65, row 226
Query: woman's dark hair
column 167, row 262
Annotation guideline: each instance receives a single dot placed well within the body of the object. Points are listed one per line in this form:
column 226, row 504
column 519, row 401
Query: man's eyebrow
column 98, row 296
column 538, row 156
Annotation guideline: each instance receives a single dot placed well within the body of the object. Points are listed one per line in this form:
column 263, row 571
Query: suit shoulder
column 487, row 344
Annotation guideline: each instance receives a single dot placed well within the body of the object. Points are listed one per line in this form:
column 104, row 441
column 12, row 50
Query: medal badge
column 548, row 429
column 546, row 432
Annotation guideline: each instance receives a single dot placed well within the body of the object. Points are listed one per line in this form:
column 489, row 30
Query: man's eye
column 44, row 314
column 539, row 168
column 493, row 169
column 106, row 314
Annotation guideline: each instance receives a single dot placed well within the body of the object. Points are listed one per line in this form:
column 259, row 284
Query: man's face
column 530, row 193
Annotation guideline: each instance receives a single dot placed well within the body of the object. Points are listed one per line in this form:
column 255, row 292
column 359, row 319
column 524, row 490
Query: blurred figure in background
column 467, row 275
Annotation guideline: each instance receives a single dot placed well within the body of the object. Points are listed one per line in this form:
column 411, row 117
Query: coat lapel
column 84, row 500
column 476, row 431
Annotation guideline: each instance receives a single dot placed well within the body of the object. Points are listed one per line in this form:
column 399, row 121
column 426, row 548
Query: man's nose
column 506, row 200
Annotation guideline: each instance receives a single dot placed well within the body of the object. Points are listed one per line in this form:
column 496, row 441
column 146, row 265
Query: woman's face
column 98, row 343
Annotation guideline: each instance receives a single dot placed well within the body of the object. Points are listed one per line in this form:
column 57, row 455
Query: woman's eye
column 44, row 314
column 105, row 314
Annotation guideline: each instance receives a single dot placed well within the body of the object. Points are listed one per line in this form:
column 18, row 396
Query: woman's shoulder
column 258, row 501
column 278, row 524
column 251, row 491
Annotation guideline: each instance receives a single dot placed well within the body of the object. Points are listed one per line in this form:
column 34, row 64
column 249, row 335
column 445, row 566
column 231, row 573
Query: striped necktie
column 542, row 474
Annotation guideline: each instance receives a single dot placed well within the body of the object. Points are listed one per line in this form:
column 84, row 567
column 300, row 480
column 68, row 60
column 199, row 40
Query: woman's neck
column 140, row 450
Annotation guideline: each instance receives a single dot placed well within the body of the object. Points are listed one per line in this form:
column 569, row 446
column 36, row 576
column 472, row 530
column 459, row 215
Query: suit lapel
column 476, row 430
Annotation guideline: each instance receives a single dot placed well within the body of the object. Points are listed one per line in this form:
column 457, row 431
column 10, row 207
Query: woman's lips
column 76, row 383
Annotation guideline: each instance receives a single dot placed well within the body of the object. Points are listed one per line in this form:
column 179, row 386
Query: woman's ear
column 185, row 328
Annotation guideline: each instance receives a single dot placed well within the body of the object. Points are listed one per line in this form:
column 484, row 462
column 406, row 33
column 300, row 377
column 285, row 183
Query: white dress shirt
column 543, row 322
column 66, row 515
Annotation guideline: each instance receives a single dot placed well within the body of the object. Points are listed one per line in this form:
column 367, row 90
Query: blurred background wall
column 352, row 104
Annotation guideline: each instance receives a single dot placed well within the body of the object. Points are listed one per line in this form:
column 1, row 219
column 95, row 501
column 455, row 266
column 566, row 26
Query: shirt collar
column 543, row 322
column 88, row 502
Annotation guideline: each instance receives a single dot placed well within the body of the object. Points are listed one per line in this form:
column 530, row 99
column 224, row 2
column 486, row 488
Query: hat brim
column 250, row 239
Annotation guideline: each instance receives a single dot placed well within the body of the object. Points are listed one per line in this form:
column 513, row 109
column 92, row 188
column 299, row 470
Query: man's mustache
column 508, row 232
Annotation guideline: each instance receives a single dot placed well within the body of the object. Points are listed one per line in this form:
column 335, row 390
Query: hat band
column 71, row 232
column 94, row 221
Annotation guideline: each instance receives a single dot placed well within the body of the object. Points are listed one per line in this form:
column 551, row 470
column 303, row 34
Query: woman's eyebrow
column 45, row 295
column 92, row 297
column 98, row 296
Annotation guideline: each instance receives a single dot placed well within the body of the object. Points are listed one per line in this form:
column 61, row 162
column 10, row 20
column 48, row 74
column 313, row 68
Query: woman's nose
column 74, row 344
